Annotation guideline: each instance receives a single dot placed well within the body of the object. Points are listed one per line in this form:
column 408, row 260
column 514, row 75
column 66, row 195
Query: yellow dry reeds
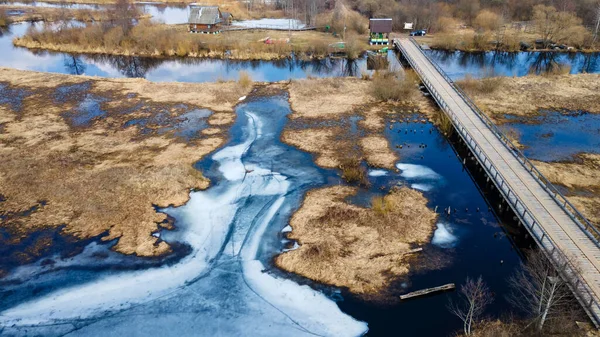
column 362, row 249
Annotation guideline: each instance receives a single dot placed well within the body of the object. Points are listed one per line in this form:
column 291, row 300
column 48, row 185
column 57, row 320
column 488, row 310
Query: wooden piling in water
column 422, row 292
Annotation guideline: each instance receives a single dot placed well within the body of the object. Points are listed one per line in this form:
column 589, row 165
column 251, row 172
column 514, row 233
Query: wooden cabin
column 227, row 18
column 380, row 30
column 205, row 19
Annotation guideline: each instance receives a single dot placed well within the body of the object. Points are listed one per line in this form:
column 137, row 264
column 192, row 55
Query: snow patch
column 378, row 173
column 320, row 315
column 286, row 229
column 412, row 171
column 421, row 187
column 443, row 236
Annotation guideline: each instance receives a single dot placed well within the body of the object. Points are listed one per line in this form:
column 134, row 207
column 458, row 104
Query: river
column 224, row 282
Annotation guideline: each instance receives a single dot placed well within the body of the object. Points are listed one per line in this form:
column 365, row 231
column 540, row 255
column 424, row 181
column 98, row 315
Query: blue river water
column 458, row 64
column 556, row 135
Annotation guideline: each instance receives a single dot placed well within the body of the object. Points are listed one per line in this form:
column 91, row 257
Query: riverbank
column 511, row 40
column 361, row 249
column 102, row 154
column 523, row 96
column 161, row 40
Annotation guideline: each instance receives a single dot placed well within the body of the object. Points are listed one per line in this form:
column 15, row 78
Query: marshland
column 295, row 190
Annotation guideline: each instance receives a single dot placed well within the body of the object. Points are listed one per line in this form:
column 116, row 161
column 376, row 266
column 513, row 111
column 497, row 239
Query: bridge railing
column 560, row 199
column 564, row 265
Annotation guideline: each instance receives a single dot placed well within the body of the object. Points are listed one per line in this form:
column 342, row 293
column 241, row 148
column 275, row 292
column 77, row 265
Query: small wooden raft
column 422, row 292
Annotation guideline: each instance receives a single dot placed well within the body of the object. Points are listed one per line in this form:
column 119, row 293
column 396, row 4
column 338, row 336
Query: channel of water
column 225, row 282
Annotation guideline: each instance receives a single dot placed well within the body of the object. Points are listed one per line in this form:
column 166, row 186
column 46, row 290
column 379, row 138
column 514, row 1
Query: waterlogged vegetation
column 554, row 119
column 157, row 129
column 306, row 206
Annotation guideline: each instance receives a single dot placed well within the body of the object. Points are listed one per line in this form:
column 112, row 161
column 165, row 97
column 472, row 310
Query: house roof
column 205, row 15
column 380, row 25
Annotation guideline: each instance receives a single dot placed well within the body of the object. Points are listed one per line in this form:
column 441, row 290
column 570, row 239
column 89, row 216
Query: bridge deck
column 553, row 227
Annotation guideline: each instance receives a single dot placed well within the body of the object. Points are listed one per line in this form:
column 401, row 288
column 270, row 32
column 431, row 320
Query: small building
column 205, row 19
column 227, row 18
column 380, row 30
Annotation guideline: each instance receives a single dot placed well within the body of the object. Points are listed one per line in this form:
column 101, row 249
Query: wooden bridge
column 561, row 232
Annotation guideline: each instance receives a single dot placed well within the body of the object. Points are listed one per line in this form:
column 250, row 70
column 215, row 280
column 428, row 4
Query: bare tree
column 475, row 296
column 552, row 25
column 539, row 290
column 597, row 24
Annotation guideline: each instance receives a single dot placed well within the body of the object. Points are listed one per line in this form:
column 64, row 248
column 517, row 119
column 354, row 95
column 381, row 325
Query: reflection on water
column 556, row 136
column 171, row 69
column 457, row 64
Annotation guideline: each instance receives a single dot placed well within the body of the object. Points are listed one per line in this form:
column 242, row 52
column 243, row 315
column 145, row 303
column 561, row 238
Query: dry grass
column 486, row 85
column 526, row 95
column 470, row 40
column 353, row 171
column 322, row 142
column 4, row 19
column 378, row 152
column 245, row 80
column 153, row 39
column 391, row 86
column 321, row 98
column 583, row 176
column 358, row 248
column 332, row 101
column 100, row 177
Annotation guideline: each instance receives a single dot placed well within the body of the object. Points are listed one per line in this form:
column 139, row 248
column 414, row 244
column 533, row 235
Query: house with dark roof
column 380, row 30
column 205, row 19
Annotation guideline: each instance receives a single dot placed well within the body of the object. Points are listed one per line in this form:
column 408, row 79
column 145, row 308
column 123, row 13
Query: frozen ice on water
column 412, row 171
column 286, row 229
column 310, row 309
column 378, row 173
column 421, row 187
column 242, row 98
column 443, row 236
column 204, row 224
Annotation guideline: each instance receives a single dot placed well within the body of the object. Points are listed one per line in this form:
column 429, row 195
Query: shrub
column 245, row 80
column 444, row 24
column 3, row 18
column 391, row 86
column 353, row 171
column 352, row 48
column 486, row 85
column 487, row 20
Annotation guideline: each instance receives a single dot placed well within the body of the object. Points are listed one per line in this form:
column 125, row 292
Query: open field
column 151, row 39
column 100, row 154
column 361, row 249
